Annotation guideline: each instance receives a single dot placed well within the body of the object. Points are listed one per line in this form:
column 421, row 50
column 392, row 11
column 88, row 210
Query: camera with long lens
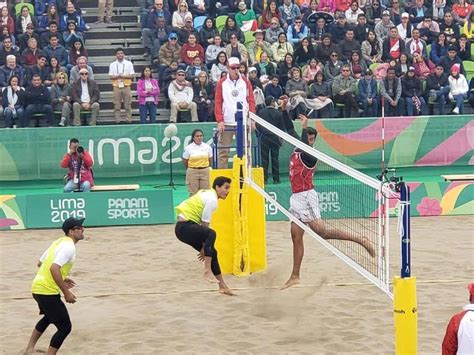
column 80, row 150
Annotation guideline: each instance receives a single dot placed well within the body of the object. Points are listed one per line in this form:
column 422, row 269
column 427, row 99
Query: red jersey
column 301, row 176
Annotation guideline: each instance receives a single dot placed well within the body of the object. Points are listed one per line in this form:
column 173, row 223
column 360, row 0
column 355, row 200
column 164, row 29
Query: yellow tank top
column 193, row 207
column 43, row 283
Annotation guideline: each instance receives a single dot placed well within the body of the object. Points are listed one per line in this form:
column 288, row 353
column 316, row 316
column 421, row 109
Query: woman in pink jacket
column 147, row 91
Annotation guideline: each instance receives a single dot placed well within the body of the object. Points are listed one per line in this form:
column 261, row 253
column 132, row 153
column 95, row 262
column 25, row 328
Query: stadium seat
column 428, row 49
column 199, row 22
column 373, row 66
column 20, row 5
column 469, row 68
column 220, row 22
column 249, row 37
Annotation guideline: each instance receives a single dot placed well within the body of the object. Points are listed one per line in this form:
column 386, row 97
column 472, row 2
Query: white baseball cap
column 233, row 61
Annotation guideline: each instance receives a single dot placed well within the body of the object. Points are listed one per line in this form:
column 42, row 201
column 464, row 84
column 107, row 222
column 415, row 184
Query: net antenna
column 371, row 196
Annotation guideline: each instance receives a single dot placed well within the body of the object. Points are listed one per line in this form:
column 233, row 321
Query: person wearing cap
column 85, row 96
column 451, row 59
column 383, row 27
column 458, row 88
column 412, row 92
column 368, row 96
column 245, row 18
column 404, row 28
column 168, row 53
column 391, row 92
column 437, row 88
column 22, row 39
column 353, row 12
column 40, row 69
column 181, row 96
column 232, row 89
column 289, row 12
column 50, row 281
column 270, row 142
column 258, row 47
column 121, row 72
column 459, row 336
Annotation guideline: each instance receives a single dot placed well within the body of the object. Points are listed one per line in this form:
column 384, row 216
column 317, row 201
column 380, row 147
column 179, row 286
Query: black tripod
column 171, row 183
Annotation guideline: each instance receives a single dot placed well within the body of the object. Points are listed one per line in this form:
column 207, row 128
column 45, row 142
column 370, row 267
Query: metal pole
column 405, row 231
column 240, row 130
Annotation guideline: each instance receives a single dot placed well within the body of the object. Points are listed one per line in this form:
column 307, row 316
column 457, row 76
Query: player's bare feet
column 292, row 281
column 225, row 290
column 209, row 276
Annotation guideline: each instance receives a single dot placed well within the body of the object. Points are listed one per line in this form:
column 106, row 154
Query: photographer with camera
column 79, row 162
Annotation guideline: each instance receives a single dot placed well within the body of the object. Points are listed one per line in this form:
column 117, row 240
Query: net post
column 405, row 303
column 239, row 135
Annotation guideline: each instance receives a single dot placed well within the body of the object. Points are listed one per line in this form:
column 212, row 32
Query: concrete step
column 105, row 51
column 91, row 17
column 112, row 33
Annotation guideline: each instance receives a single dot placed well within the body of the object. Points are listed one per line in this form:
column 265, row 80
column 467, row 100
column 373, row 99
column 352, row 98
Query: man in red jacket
column 79, row 162
column 230, row 89
column 459, row 337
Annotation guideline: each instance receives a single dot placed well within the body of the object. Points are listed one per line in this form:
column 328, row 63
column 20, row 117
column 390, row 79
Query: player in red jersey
column 304, row 204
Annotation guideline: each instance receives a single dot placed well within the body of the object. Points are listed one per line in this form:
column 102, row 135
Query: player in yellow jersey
column 51, row 279
column 194, row 216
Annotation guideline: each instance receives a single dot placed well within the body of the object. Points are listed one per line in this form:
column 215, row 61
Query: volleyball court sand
column 140, row 292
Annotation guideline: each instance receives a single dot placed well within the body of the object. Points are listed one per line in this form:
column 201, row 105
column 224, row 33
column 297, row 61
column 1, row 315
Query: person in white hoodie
column 458, row 88
column 181, row 95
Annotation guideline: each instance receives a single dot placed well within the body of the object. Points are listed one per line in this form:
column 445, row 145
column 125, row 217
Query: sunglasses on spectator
column 234, row 67
column 181, row 74
column 333, row 55
column 84, row 74
column 345, row 70
column 173, row 39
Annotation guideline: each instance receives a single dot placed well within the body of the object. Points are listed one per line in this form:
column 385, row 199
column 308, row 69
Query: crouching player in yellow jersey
column 54, row 266
column 194, row 216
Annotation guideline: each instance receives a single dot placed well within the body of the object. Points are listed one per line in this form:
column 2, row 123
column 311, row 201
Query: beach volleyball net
column 353, row 208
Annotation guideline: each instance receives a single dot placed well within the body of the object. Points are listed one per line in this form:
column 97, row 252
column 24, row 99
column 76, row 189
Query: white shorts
column 305, row 206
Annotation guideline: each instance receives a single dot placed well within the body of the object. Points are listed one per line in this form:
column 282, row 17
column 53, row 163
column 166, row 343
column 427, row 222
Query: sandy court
column 140, row 292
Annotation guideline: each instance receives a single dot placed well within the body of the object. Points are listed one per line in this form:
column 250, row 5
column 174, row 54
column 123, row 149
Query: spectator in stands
column 289, row 12
column 392, row 46
column 204, row 96
column 50, row 16
column 52, row 30
column 230, row 28
column 348, row 45
column 338, row 29
column 396, row 11
column 356, row 63
column 24, row 19
column 180, row 15
column 5, row 33
column 170, row 52
column 429, row 30
column 10, row 69
column 368, row 96
column 310, row 70
column 213, row 51
column 284, row 69
column 391, row 92
column 25, row 37
column 418, row 12
column 224, row 7
column 438, row 10
column 361, row 29
column 404, row 28
column 258, row 47
column 6, row 50
column 265, row 69
column 374, row 13
column 318, row 31
column 85, row 95
column 439, row 48
column 328, row 6
column 462, row 11
column 416, row 44
column 273, row 32
column 273, row 88
column 181, row 96
column 193, row 70
column 54, row 69
column 207, row 33
column 323, row 51
column 448, row 61
column 74, row 16
column 31, row 54
column 449, row 27
column 61, row 98
column 353, row 12
column 56, row 50
column 81, row 64
column 281, row 48
column 169, row 75
column 79, row 162
column 200, row 7
column 255, row 82
column 71, row 35
column 77, row 50
column 269, row 13
column 121, row 73
column 13, row 102
column 237, row 49
column 344, row 90
column 437, row 88
column 382, row 28
column 246, row 19
column 458, row 338
column 104, row 14
column 7, row 20
column 190, row 50
column 372, row 49
column 148, row 91
column 187, row 30
column 40, row 8
column 219, row 67
column 304, row 52
column 401, row 68
column 38, row 100
column 320, row 91
column 333, row 67
column 464, row 48
column 343, row 5
column 39, row 69
column 412, row 93
column 458, row 88
column 150, row 23
column 297, row 31
column 231, row 89
column 197, row 159
column 162, row 32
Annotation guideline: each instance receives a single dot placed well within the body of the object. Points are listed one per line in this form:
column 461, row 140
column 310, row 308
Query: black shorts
column 52, row 307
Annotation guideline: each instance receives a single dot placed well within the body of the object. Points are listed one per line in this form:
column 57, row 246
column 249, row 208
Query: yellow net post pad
column 406, row 315
column 240, row 224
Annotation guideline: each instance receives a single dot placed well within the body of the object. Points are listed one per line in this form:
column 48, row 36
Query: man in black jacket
column 270, row 142
column 437, row 88
column 39, row 102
